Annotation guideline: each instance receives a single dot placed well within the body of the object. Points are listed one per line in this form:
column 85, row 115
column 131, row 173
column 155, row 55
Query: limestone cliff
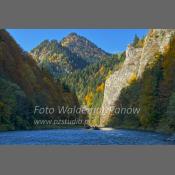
column 133, row 68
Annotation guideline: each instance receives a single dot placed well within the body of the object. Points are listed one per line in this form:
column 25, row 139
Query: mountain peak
column 72, row 38
column 71, row 53
column 83, row 47
column 73, row 34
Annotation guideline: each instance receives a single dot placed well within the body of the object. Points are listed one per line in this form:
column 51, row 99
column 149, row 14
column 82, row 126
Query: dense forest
column 23, row 86
column 72, row 53
column 89, row 83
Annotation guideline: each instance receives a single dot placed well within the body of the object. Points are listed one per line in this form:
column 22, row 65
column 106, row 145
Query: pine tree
column 135, row 41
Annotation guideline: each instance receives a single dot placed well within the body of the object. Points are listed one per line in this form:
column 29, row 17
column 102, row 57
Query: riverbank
column 70, row 127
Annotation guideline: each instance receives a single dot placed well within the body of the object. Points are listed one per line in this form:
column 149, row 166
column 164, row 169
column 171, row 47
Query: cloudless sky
column 110, row 40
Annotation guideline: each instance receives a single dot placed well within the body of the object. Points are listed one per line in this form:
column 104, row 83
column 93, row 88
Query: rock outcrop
column 133, row 68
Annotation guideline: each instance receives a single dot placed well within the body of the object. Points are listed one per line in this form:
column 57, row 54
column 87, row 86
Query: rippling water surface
column 83, row 137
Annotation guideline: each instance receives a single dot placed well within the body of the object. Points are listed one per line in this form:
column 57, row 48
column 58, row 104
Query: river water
column 83, row 137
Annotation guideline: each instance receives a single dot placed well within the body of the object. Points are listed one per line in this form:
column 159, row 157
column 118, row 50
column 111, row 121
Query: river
column 83, row 137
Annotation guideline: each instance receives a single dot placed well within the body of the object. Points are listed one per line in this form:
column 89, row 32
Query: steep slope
column 72, row 53
column 84, row 48
column 23, row 86
column 144, row 81
column 50, row 55
column 119, row 80
column 88, row 84
column 95, row 74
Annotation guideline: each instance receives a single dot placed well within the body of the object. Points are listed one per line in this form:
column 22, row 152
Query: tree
column 171, row 111
column 88, row 99
column 135, row 41
column 100, row 88
column 132, row 78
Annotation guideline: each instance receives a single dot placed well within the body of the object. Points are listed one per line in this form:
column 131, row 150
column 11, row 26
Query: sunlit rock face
column 133, row 67
column 156, row 42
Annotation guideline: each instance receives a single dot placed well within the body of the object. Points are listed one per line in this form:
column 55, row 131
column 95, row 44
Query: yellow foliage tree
column 132, row 78
column 109, row 74
column 100, row 88
column 140, row 44
column 166, row 48
column 88, row 99
column 102, row 69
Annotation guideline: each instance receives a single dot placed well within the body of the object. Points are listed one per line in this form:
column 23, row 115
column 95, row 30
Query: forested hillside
column 57, row 60
column 84, row 48
column 72, row 53
column 23, row 86
column 88, row 83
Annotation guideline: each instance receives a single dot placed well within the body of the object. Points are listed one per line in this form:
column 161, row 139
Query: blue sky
column 111, row 40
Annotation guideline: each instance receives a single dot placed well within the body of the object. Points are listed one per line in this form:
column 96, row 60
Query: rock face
column 132, row 69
